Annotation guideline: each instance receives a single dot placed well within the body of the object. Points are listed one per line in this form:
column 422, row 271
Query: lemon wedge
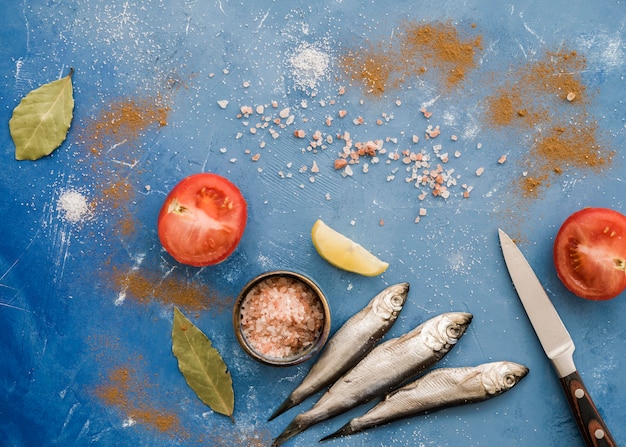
column 344, row 253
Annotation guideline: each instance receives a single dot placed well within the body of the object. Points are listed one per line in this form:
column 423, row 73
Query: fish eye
column 396, row 301
column 453, row 331
column 509, row 380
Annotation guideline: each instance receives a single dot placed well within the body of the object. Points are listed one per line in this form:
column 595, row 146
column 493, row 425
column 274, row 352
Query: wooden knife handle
column 590, row 423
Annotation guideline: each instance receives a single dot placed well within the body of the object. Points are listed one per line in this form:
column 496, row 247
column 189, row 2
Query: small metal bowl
column 242, row 324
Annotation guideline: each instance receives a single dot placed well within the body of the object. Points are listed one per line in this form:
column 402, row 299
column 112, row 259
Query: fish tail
column 343, row 431
column 289, row 403
column 296, row 426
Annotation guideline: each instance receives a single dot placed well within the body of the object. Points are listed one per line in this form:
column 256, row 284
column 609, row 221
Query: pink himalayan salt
column 281, row 317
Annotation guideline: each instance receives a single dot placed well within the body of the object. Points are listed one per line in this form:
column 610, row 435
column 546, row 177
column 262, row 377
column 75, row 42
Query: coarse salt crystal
column 281, row 317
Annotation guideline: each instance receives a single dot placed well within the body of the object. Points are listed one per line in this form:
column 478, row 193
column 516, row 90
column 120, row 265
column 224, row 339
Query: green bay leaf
column 41, row 120
column 202, row 366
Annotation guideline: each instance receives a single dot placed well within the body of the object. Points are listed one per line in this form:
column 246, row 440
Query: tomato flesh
column 590, row 253
column 202, row 220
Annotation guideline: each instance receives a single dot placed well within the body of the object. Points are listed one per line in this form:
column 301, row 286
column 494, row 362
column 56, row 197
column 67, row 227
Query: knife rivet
column 579, row 393
column 599, row 433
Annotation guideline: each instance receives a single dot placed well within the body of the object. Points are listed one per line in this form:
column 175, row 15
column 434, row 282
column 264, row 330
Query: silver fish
column 441, row 388
column 350, row 343
column 386, row 367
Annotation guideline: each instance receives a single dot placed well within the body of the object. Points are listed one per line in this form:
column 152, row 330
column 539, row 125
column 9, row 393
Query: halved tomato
column 590, row 253
column 202, row 220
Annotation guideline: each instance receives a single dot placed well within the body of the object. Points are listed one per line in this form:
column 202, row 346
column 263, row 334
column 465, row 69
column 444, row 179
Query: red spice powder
column 373, row 66
column 548, row 99
column 127, row 390
column 441, row 47
column 147, row 287
column 113, row 143
column 416, row 50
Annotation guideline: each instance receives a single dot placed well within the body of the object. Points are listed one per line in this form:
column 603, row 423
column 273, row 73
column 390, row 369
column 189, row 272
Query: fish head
column 498, row 377
column 388, row 303
column 442, row 332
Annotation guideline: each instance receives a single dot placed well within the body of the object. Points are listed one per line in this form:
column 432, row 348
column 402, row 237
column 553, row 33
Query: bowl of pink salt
column 281, row 318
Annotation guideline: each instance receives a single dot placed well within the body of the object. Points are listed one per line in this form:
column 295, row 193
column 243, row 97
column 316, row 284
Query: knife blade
column 556, row 342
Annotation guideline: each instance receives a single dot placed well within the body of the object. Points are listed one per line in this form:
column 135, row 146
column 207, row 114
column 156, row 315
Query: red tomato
column 202, row 220
column 590, row 253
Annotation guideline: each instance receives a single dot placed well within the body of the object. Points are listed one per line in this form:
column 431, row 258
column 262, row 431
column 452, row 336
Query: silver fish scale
column 440, row 388
column 350, row 343
column 386, row 367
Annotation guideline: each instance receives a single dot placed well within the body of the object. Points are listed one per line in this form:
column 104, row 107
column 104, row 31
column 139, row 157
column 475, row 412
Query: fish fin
column 294, row 427
column 286, row 405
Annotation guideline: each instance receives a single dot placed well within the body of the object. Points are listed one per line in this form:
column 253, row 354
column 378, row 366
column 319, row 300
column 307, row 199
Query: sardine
column 439, row 389
column 350, row 343
column 385, row 368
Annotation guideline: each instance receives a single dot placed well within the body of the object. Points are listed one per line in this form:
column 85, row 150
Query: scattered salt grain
column 223, row 103
column 309, row 66
column 73, row 206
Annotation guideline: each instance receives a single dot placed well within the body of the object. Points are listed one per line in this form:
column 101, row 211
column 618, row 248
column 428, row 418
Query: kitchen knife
column 556, row 342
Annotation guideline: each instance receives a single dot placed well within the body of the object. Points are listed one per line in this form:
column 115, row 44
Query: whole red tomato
column 202, row 220
column 590, row 253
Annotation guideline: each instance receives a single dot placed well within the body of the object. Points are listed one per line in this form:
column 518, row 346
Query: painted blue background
column 56, row 307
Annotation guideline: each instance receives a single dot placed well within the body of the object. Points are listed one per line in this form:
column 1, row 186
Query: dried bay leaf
column 202, row 366
column 41, row 120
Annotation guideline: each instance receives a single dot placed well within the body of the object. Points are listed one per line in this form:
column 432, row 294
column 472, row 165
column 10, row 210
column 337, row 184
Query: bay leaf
column 41, row 120
column 202, row 365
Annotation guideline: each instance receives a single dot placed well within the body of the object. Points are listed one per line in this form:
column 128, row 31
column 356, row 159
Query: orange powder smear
column 548, row 99
column 113, row 142
column 125, row 389
column 147, row 287
column 372, row 66
column 417, row 48
column 124, row 121
column 441, row 46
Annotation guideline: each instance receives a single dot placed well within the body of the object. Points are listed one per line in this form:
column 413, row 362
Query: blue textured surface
column 64, row 324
